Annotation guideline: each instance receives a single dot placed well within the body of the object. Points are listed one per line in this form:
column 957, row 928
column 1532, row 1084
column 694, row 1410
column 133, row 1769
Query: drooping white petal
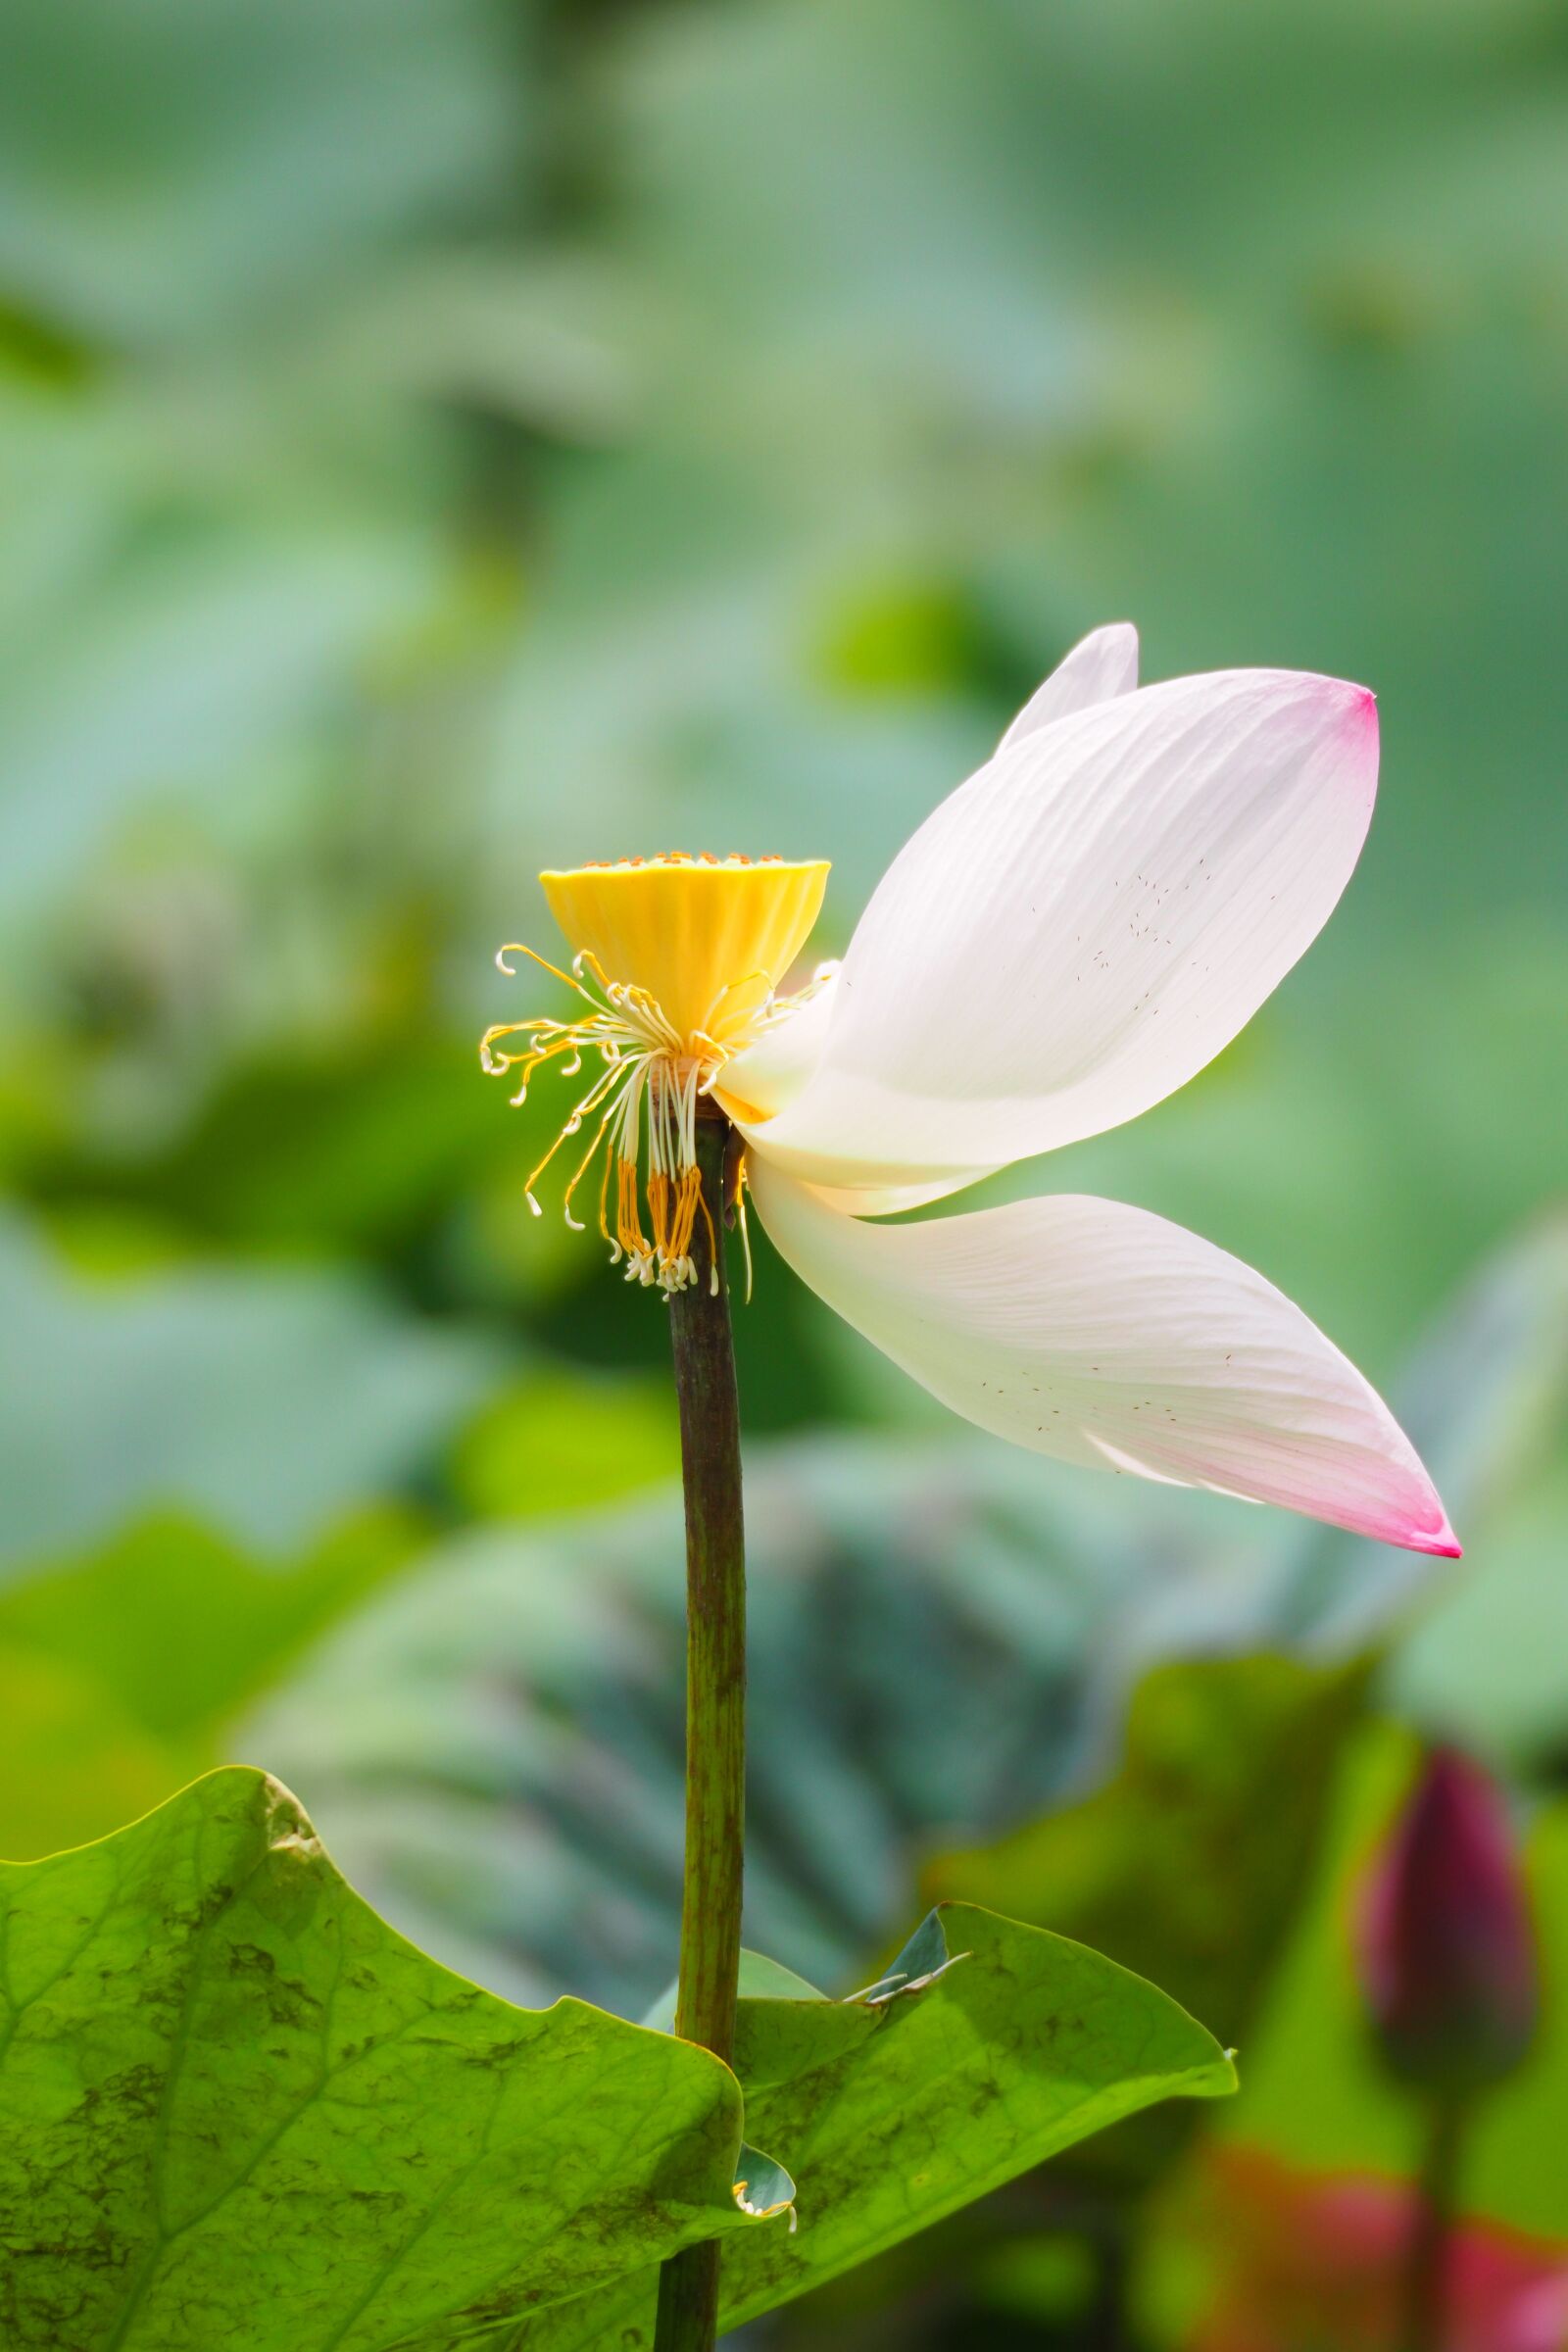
column 1106, row 1336
column 1101, row 665
column 1081, row 926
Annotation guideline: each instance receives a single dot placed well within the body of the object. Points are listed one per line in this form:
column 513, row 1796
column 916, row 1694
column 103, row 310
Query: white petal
column 1104, row 1335
column 1101, row 665
column 1083, row 926
column 758, row 1084
column 769, row 1075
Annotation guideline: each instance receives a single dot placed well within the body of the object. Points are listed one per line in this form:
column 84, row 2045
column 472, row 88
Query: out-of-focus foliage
column 120, row 1668
column 268, row 1401
column 1484, row 1666
column 438, row 436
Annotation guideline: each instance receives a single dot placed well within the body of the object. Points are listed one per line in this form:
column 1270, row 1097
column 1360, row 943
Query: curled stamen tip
column 533, row 1204
column 519, row 1097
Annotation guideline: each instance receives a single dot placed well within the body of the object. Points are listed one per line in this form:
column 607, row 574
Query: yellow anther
column 658, row 1192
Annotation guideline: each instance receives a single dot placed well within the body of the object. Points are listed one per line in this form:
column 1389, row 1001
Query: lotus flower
column 1447, row 1950
column 1074, row 933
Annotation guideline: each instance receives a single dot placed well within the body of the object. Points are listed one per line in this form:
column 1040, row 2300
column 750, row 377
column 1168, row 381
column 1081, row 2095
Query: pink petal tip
column 1445, row 1544
column 1353, row 716
column 1361, row 713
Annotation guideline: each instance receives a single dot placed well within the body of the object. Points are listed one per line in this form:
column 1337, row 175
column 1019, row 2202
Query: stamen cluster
column 645, row 1099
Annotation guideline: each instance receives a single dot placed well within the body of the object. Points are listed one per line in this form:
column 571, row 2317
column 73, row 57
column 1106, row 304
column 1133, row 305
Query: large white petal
column 1101, row 665
column 1081, row 926
column 1096, row 1332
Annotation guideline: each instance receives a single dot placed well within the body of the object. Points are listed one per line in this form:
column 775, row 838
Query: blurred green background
column 439, row 437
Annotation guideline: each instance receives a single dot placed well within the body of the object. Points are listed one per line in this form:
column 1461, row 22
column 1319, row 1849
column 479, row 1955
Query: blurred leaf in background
column 120, row 1668
column 267, row 1401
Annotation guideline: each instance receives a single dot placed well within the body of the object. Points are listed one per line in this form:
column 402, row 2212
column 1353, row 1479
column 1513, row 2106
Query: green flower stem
column 716, row 1703
column 1423, row 2295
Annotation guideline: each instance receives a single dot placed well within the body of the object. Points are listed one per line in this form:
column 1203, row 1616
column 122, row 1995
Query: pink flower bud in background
column 1447, row 1950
